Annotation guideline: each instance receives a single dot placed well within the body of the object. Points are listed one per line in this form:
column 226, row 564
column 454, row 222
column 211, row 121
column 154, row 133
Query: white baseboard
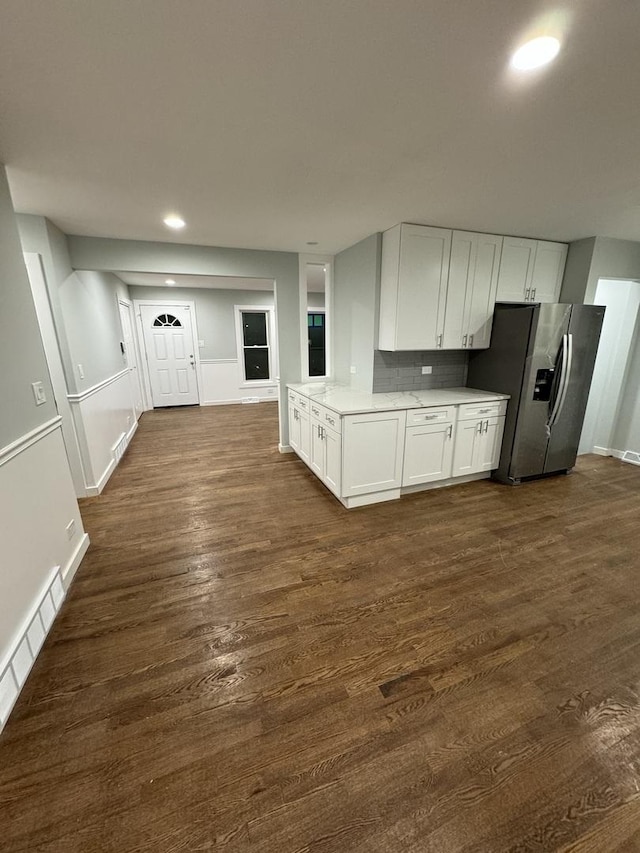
column 117, row 452
column 285, row 448
column 69, row 571
column 17, row 665
column 30, row 637
column 238, row 401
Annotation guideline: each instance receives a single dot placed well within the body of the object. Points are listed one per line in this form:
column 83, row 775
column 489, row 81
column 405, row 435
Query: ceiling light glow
column 170, row 281
column 174, row 221
column 535, row 53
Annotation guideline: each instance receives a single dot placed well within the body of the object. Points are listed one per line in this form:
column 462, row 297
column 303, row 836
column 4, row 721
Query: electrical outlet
column 200, row 343
column 38, row 393
column 426, row 368
column 81, row 371
column 71, row 529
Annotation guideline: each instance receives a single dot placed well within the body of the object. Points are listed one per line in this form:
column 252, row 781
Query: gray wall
column 596, row 258
column 91, row 317
column 39, row 235
column 355, row 311
column 402, row 371
column 98, row 253
column 21, row 351
column 576, row 271
column 214, row 313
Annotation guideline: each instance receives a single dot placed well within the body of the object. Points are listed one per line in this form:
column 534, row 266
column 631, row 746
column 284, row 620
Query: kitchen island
column 367, row 448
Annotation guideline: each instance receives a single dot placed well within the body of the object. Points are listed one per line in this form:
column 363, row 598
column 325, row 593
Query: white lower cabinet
column 373, row 452
column 300, row 432
column 325, row 456
column 370, row 457
column 478, row 444
column 428, row 445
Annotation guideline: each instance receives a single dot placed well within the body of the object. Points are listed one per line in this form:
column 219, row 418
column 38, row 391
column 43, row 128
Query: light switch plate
column 353, row 369
column 38, row 393
column 81, row 371
column 426, row 368
column 200, row 343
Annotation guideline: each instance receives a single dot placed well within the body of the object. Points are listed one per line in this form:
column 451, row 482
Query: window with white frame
column 254, row 344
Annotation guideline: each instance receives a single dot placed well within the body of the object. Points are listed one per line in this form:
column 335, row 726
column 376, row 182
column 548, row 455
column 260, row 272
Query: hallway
column 243, row 665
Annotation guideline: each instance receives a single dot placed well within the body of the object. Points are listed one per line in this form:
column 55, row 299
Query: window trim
column 269, row 311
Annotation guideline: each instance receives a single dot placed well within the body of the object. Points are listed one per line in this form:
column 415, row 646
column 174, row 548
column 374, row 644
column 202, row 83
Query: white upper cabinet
column 531, row 270
column 471, row 293
column 414, row 276
column 548, row 270
column 438, row 288
column 516, row 269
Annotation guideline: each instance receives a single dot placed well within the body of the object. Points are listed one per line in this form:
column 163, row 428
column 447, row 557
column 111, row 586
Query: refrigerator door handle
column 563, row 384
column 563, row 395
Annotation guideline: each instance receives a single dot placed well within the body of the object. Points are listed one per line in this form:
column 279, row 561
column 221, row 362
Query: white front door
column 129, row 354
column 168, row 340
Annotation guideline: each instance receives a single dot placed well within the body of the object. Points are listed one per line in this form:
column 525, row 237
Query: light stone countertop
column 349, row 401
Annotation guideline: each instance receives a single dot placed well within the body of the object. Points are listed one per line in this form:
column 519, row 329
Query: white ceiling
column 221, row 282
column 270, row 123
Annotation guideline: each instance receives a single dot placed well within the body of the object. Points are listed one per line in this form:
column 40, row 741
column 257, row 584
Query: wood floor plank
column 243, row 665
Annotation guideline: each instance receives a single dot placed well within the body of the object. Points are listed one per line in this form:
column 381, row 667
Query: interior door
column 130, row 356
column 168, row 340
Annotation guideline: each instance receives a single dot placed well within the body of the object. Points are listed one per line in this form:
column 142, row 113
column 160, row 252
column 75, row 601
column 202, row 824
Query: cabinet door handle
column 526, row 294
column 439, row 342
column 450, row 431
column 464, row 341
column 430, row 417
column 479, row 426
column 533, row 294
column 470, row 341
column 486, row 426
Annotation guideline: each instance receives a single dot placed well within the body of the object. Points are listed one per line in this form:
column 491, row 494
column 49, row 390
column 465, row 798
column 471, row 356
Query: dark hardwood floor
column 243, row 665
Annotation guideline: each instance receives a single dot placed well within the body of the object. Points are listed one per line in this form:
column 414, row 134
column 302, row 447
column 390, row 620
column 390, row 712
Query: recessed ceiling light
column 535, row 53
column 170, row 281
column 173, row 221
column 312, row 242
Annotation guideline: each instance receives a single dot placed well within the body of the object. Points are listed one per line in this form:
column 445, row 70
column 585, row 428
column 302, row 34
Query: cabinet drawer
column 473, row 411
column 293, row 397
column 327, row 417
column 415, row 417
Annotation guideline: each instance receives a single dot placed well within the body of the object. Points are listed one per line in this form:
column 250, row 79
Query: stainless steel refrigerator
column 542, row 355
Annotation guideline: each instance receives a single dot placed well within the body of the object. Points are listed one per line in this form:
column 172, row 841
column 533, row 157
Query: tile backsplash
column 402, row 371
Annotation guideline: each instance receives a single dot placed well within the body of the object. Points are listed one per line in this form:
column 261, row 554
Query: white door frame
column 127, row 303
column 37, row 280
column 160, row 304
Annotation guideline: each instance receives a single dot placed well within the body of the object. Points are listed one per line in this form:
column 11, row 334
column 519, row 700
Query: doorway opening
column 612, row 419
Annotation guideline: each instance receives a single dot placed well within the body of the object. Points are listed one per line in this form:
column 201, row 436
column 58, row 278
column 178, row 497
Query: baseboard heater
column 631, row 456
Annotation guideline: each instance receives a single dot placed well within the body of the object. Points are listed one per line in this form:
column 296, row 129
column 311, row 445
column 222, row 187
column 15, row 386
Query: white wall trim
column 18, row 661
column 68, row 572
column 285, row 448
column 40, row 292
column 117, row 452
column 28, row 439
column 83, row 395
column 218, row 361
